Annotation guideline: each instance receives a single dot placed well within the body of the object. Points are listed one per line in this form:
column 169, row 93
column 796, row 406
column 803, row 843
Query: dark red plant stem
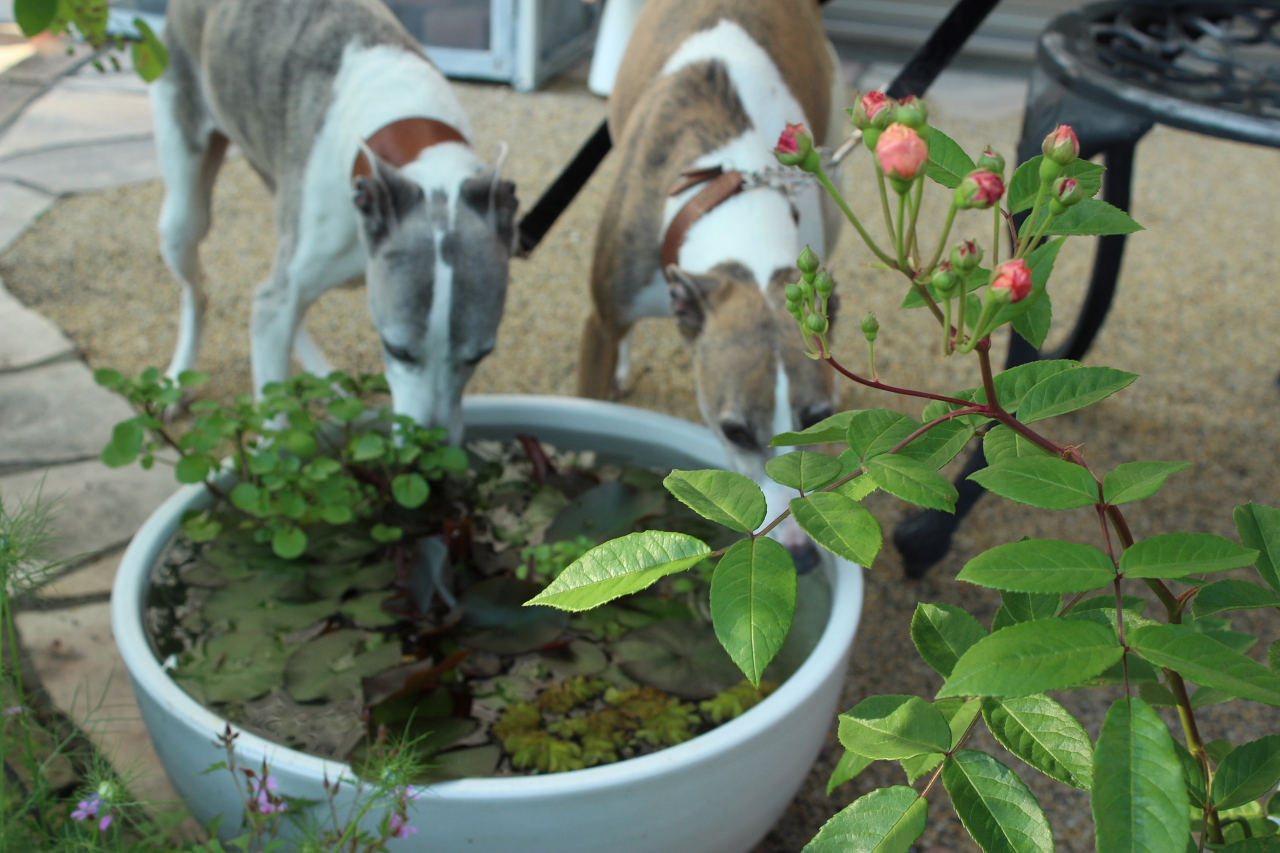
column 968, row 410
column 873, row 383
column 542, row 466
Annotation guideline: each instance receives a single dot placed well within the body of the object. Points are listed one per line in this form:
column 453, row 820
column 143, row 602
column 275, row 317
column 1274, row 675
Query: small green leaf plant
column 311, row 451
column 89, row 19
column 1065, row 621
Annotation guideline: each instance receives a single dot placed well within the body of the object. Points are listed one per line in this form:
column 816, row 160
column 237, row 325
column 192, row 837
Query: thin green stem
column 853, row 219
column 1196, row 747
column 989, row 309
column 884, row 197
column 1039, row 235
column 912, row 248
column 947, row 329
column 942, row 243
column 899, row 242
column 1035, row 211
column 995, row 237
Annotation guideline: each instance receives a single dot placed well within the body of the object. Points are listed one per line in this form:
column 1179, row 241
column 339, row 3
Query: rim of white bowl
column 490, row 410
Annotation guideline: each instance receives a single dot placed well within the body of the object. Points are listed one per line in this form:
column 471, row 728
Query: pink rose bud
column 990, row 161
column 1014, row 278
column 1061, row 146
column 872, row 108
column 795, row 148
column 902, row 153
column 912, row 112
column 1065, row 193
column 979, row 190
column 966, row 257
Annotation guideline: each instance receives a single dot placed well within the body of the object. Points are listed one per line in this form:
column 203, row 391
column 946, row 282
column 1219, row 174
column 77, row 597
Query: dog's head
column 752, row 375
column 437, row 281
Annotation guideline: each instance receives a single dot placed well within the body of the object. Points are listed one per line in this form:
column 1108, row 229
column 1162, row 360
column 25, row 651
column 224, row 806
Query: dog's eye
column 816, row 413
column 478, row 357
column 739, row 435
column 400, row 353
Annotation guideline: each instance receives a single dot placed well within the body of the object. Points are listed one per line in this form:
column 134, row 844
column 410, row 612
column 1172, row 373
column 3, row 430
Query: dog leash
column 914, row 79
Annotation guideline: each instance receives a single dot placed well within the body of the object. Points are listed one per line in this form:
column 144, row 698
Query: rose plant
column 1150, row 792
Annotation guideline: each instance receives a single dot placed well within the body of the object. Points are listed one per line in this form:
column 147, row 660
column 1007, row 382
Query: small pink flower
column 787, row 142
column 1067, row 191
column 1062, row 146
column 979, row 190
column 90, row 808
column 400, row 827
column 901, row 152
column 14, row 711
column 873, row 103
column 966, row 257
column 262, row 793
column 1015, row 277
column 104, row 823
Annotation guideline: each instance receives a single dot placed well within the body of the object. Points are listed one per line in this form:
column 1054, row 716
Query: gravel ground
column 1195, row 318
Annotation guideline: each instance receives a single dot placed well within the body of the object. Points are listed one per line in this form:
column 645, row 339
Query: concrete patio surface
column 1196, row 316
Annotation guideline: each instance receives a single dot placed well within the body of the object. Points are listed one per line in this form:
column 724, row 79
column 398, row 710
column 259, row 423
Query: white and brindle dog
column 704, row 90
column 371, row 160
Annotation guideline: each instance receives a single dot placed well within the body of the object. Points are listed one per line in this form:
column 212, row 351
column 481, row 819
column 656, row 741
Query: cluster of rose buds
column 898, row 133
column 807, row 298
column 984, row 186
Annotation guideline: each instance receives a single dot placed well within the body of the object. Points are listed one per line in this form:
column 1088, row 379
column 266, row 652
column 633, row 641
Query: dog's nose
column 805, row 555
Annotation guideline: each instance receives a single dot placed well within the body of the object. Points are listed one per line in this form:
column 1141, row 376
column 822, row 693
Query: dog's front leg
column 275, row 319
column 598, row 358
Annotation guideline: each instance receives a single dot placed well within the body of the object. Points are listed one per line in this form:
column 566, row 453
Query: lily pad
column 231, row 601
column 366, row 610
column 605, row 512
column 679, row 657
column 437, row 703
column 273, row 616
column 330, row 580
column 496, row 606
column 236, row 667
column 330, row 667
column 813, row 609
column 580, row 658
column 468, row 763
column 658, row 607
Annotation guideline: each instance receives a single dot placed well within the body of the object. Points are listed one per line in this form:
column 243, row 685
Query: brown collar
column 720, row 186
column 400, row 142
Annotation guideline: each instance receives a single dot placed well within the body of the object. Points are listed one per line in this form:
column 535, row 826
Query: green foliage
column 1259, row 528
column 753, row 600
column 995, row 806
column 894, row 727
column 89, row 19
column 948, row 163
column 1026, row 181
column 1039, row 481
column 1134, row 481
column 841, row 525
column 804, row 470
column 1032, row 657
column 721, row 496
column 1175, row 555
column 1139, row 797
column 1231, row 594
column 942, row 633
column 885, row 821
column 1250, row 771
column 1206, row 661
column 1070, row 390
column 1043, row 734
column 913, row 481
column 620, row 567
column 1040, row 565
column 1094, row 217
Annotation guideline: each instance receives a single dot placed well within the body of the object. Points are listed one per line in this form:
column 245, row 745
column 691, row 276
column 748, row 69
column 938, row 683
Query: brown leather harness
column 720, row 187
column 400, row 142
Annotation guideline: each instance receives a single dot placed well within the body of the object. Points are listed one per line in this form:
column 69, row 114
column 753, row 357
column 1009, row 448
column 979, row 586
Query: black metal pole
column 943, row 44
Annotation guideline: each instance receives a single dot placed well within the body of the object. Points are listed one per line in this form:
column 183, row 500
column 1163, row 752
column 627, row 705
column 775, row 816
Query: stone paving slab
column 19, row 207
column 55, row 414
column 78, row 663
column 27, row 338
column 95, row 578
column 96, row 507
column 77, row 114
column 86, row 168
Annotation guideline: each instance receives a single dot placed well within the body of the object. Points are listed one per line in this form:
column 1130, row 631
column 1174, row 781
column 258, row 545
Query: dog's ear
column 689, row 299
column 495, row 200
column 383, row 197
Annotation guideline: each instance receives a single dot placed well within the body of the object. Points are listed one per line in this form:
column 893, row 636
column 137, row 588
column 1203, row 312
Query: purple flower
column 261, row 792
column 92, row 808
column 14, row 711
column 400, row 827
column 104, row 823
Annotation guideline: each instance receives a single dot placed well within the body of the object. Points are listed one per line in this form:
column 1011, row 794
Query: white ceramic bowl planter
column 717, row 793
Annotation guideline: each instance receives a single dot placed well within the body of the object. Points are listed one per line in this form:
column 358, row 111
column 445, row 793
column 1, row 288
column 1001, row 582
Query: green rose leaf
column 1139, row 797
column 825, row 431
column 841, row 525
column 1032, row 657
column 1041, row 262
column 1192, row 772
column 1018, row 607
column 410, row 490
column 1040, row 565
column 1269, row 844
column 959, row 714
column 848, row 768
column 1093, row 217
column 1026, row 181
column 1041, row 481
column 996, row 806
column 913, row 481
column 34, row 16
column 948, row 163
column 939, row 445
column 1002, row 443
column 1259, row 528
column 150, row 56
column 888, row 820
column 1045, row 735
column 1207, row 662
column 1034, row 323
column 125, row 444
column 1232, row 594
column 721, row 496
column 1176, row 555
column 1071, row 390
column 804, row 470
column 192, row 468
column 620, row 567
column 1013, row 384
column 1134, row 481
column 288, row 542
column 368, row 446
column 942, row 633
column 753, row 600
column 877, row 431
column 894, row 727
column 1249, row 772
